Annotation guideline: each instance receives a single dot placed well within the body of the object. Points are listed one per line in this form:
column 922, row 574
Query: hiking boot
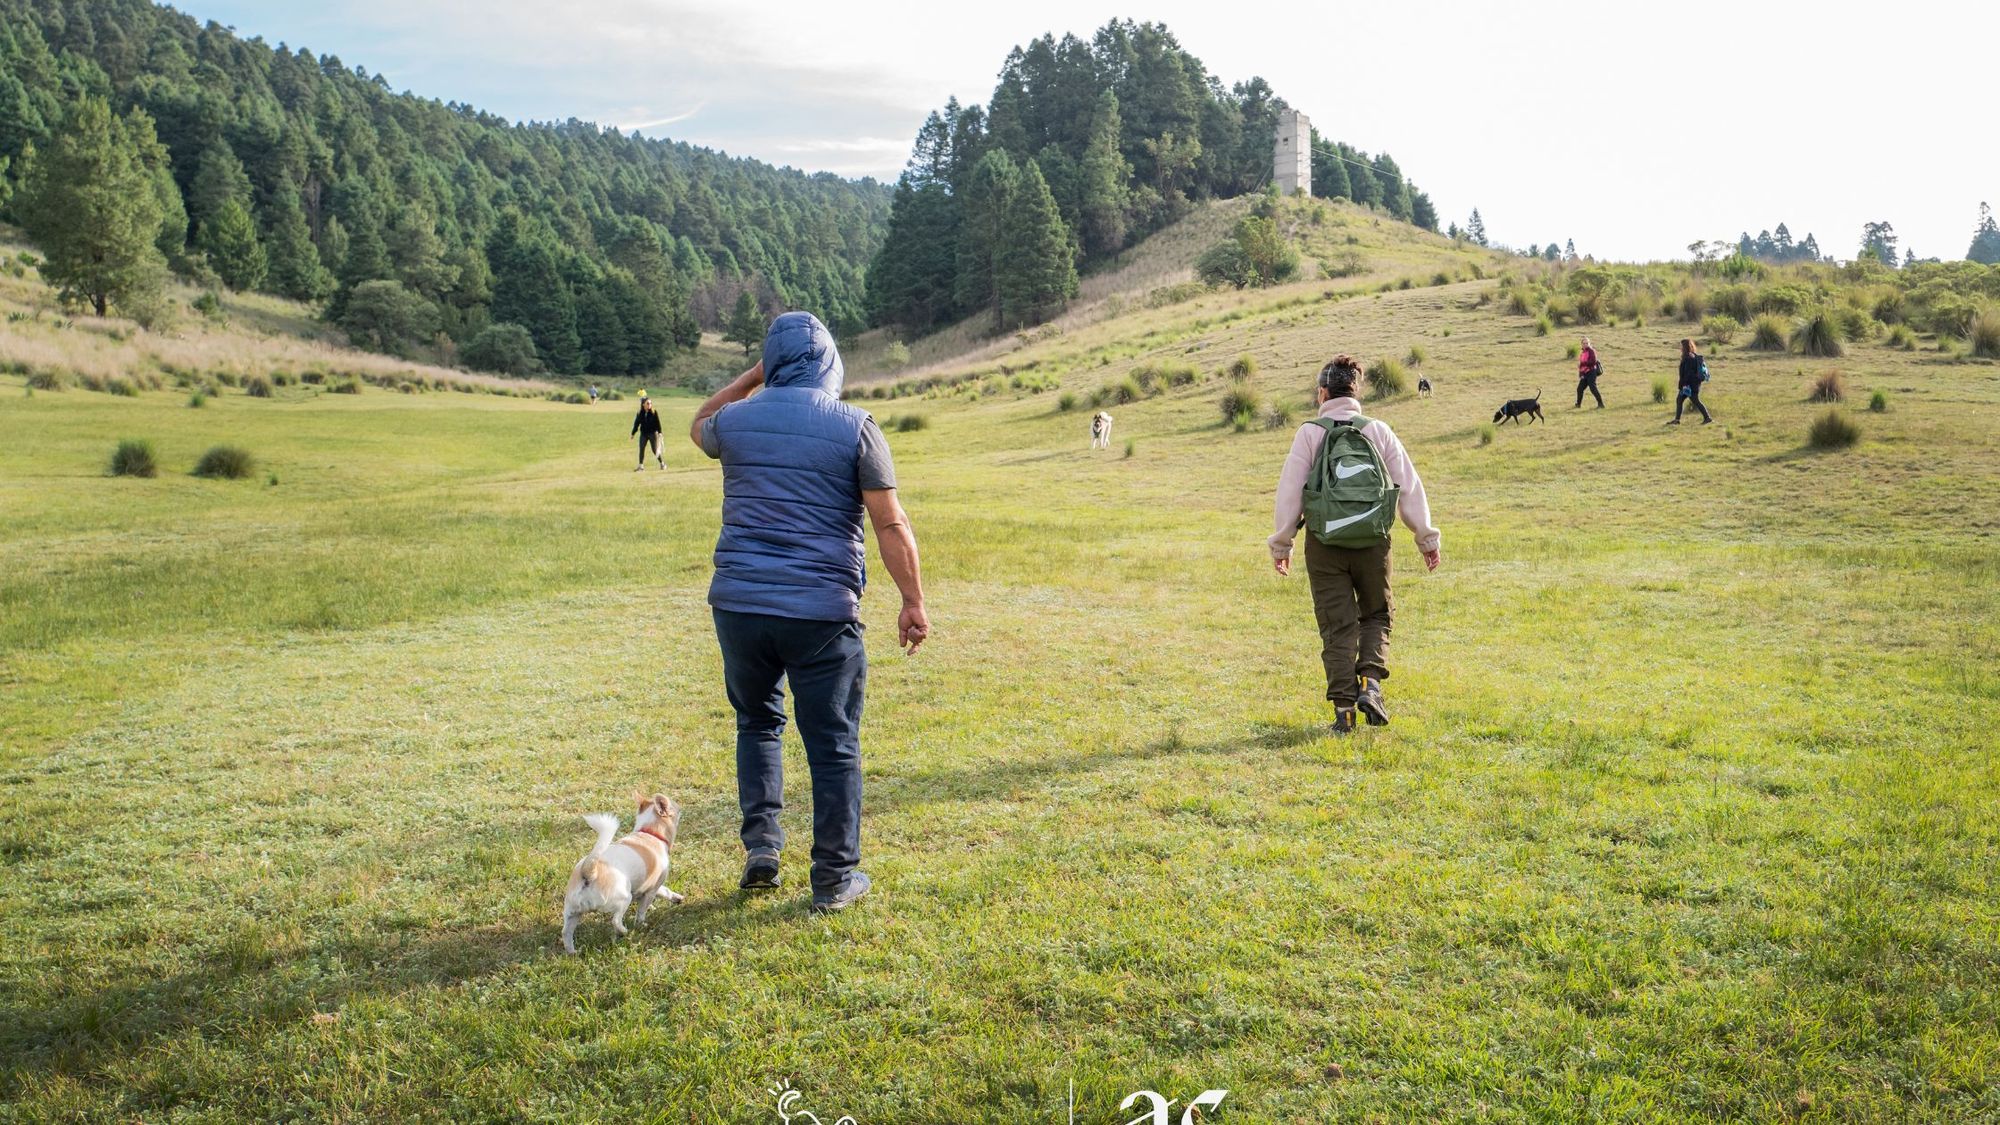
column 857, row 885
column 1343, row 720
column 1370, row 702
column 639, row 468
column 760, row 872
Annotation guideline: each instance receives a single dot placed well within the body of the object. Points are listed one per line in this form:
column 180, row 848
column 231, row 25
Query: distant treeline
column 1083, row 149
column 280, row 171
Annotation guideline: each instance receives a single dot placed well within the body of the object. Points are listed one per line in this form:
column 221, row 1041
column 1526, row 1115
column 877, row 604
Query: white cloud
column 1629, row 129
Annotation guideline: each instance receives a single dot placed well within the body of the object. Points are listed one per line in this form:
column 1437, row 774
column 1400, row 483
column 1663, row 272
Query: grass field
column 1690, row 809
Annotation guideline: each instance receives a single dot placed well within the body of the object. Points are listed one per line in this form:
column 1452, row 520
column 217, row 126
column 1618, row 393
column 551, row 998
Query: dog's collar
column 653, row 831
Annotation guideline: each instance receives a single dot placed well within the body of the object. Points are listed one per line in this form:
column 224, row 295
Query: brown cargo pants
column 1350, row 589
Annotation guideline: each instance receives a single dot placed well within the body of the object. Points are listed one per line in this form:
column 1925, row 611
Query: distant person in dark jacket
column 647, row 426
column 800, row 472
column 1587, row 371
column 1691, row 379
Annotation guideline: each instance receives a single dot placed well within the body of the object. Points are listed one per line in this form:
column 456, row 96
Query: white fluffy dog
column 1100, row 431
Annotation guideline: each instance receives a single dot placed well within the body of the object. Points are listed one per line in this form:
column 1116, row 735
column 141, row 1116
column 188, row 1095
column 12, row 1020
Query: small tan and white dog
column 1100, row 431
column 612, row 875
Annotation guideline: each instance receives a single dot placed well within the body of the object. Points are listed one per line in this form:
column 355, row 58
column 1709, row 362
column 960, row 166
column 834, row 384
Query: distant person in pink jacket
column 1350, row 585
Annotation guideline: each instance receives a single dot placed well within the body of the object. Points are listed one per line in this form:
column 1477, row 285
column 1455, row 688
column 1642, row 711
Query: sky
column 1632, row 129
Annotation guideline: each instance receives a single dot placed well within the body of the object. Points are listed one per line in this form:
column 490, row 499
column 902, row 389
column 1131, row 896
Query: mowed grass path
column 1690, row 807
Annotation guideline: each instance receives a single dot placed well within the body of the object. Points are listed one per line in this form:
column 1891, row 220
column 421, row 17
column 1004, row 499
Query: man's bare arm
column 899, row 555
column 738, row 389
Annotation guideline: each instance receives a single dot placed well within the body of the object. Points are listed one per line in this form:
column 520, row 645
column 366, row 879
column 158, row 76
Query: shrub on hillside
column 1387, row 378
column 1543, row 326
column 1241, row 400
column 1570, row 352
column 1520, row 302
column 909, row 423
column 1733, row 301
column 1559, row 309
column 1720, row 327
column 1693, row 305
column 119, row 385
column 1832, row 430
column 503, row 349
column 1786, row 300
column 134, row 458
column 1890, row 307
column 1417, row 356
column 1128, row 389
column 1855, row 325
column 346, row 387
column 256, row 386
column 1590, row 307
column 1829, row 387
column 1900, row 336
column 1818, row 336
column 314, row 378
column 1878, row 403
column 1659, row 390
column 1066, row 402
column 48, row 379
column 1243, row 366
column 197, row 400
column 225, row 462
column 1769, row 333
column 1984, row 333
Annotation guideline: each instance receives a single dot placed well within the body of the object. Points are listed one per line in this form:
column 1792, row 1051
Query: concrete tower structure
column 1291, row 160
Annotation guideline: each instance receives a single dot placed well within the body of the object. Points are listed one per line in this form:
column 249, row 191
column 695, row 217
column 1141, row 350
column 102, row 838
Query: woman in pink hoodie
column 1350, row 585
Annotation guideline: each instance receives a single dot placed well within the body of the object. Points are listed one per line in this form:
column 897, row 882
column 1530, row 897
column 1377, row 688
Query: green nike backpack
column 1349, row 500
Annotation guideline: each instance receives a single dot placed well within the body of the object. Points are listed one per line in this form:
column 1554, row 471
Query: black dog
column 1423, row 387
column 1517, row 408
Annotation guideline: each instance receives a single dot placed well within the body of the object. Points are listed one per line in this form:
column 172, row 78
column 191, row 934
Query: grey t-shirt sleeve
column 876, row 471
column 710, row 443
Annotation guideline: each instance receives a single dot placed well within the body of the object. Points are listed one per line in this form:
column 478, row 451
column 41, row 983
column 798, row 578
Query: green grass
column 1689, row 810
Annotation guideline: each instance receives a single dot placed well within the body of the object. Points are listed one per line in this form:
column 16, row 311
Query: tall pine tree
column 529, row 290
column 983, row 229
column 88, row 202
column 1103, row 177
column 1036, row 266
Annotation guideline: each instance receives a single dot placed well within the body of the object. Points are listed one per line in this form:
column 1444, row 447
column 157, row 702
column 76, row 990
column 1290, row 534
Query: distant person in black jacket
column 1692, row 374
column 647, row 426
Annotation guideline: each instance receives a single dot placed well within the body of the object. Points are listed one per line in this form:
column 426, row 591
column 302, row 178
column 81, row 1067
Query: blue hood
column 800, row 352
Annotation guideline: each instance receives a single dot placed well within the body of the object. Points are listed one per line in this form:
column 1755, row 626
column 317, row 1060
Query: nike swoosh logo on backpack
column 1342, row 472
column 1335, row 525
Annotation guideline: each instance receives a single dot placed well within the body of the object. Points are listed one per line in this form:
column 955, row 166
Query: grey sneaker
column 1343, row 720
column 760, row 872
column 1370, row 702
column 857, row 885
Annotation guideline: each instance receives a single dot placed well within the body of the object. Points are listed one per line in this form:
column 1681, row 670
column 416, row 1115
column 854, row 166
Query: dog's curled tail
column 607, row 827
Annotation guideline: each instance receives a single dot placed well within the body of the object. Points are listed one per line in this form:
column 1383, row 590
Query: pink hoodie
column 1412, row 505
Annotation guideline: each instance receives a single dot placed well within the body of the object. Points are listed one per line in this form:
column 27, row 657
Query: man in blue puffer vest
column 799, row 467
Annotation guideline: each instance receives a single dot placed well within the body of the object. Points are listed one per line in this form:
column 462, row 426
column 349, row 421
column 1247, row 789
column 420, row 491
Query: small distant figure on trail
column 1346, row 481
column 1100, row 431
column 647, row 426
column 1587, row 371
column 593, row 394
column 801, row 470
column 1694, row 372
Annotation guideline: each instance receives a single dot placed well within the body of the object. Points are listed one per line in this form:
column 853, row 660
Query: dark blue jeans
column 828, row 671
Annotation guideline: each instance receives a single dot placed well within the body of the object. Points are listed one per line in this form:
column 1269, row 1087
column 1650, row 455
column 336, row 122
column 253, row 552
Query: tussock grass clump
column 1818, row 336
column 1878, row 403
column 1590, row 307
column 1242, row 367
column 1543, row 326
column 121, row 386
column 1559, row 309
column 197, row 400
column 1128, row 389
column 1721, row 328
column 1417, row 356
column 1901, row 337
column 1984, row 334
column 1829, row 387
column 1241, row 420
column 314, row 378
column 1240, row 403
column 1066, row 402
column 134, row 458
column 346, row 387
column 909, row 423
column 1890, row 307
column 1387, row 378
column 1520, row 302
column 1571, row 351
column 1486, row 432
column 256, row 386
column 1769, row 333
column 1733, row 301
column 48, row 379
column 1693, row 305
column 1660, row 390
column 1280, row 416
column 225, row 462
column 1832, row 430
column 1131, row 447
column 1856, row 326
